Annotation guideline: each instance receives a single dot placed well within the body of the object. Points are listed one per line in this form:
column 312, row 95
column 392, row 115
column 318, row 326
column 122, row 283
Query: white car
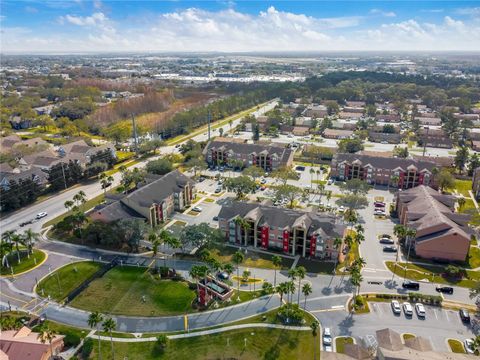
column 197, row 209
column 468, row 344
column 407, row 308
column 327, row 336
column 379, row 212
column 41, row 215
column 396, row 307
column 341, row 209
column 420, row 309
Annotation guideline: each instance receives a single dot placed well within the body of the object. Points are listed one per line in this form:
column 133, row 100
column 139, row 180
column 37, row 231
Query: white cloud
column 31, row 9
column 382, row 13
column 473, row 11
column 230, row 30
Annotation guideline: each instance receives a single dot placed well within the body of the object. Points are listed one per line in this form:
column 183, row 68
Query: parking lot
column 438, row 324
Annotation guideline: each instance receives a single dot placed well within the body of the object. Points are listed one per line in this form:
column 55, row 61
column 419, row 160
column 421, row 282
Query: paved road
column 54, row 205
column 438, row 325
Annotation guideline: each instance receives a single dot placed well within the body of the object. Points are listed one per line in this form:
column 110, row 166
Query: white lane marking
column 446, row 314
column 435, row 312
column 338, row 307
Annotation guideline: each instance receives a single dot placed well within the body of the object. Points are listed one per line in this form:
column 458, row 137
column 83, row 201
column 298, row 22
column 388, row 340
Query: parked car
column 379, row 204
column 300, row 168
column 379, row 213
column 327, row 336
column 387, row 241
column 411, row 285
column 222, row 275
column 41, row 215
column 464, row 315
column 263, row 181
column 420, row 309
column 218, row 190
column 390, row 249
column 201, row 178
column 396, row 307
column 468, row 344
column 407, row 309
column 262, row 188
column 385, row 236
column 215, row 218
column 341, row 209
column 444, row 289
column 330, row 182
column 197, row 209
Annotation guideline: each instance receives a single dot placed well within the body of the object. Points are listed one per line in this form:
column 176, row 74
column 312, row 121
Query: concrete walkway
column 204, row 332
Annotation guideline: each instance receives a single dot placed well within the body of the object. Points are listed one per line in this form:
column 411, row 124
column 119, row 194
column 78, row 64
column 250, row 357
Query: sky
column 79, row 26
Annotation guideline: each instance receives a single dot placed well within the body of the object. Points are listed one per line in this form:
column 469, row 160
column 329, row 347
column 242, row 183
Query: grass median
column 26, row 262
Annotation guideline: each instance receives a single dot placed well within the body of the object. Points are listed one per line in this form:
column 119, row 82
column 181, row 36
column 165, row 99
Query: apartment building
column 155, row 201
column 396, row 172
column 441, row 232
column 292, row 232
column 227, row 152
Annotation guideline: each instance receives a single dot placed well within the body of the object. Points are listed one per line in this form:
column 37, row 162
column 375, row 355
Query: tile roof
column 389, row 339
column 8, row 142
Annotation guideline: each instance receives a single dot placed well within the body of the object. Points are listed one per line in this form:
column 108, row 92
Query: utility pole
column 135, row 138
column 64, row 179
column 209, row 119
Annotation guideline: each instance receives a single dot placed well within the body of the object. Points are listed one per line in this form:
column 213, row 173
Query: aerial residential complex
column 293, row 232
column 155, row 201
column 224, row 152
column 440, row 232
column 396, row 172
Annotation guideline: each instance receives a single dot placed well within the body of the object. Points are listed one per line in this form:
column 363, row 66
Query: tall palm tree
column 105, row 181
column 30, row 237
column 400, row 231
column 7, row 245
column 195, row 275
column 359, row 228
column 461, row 202
column 44, row 335
column 356, row 279
column 292, row 275
column 108, row 326
column 238, row 258
column 300, row 272
column 17, row 239
column 244, row 225
column 312, row 172
column 277, row 262
column 306, row 290
column 337, row 244
column 282, row 290
column 94, row 321
column 165, row 238
column 314, row 326
column 153, row 238
column 228, row 268
column 410, row 235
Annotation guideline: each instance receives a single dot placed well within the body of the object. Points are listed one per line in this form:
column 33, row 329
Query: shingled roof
column 428, row 209
column 281, row 151
column 379, row 162
column 323, row 224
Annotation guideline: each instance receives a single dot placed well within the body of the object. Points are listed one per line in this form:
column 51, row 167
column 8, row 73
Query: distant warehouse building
column 396, row 172
column 292, row 232
column 225, row 152
column 441, row 233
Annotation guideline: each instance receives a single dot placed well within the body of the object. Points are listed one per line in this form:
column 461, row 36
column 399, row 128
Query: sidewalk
column 204, row 332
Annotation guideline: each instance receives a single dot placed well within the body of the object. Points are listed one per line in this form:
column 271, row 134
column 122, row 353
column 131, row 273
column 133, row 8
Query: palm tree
column 329, row 196
column 44, row 335
column 108, row 326
column 282, row 290
column 173, row 243
column 238, row 258
column 30, row 237
column 314, row 326
column 153, row 238
column 400, row 231
column 300, row 272
column 277, row 262
column 243, row 224
column 165, row 238
column 359, row 237
column 17, row 239
column 410, row 235
column 292, row 274
column 105, row 181
column 312, row 171
column 337, row 244
column 93, row 321
column 228, row 268
column 356, row 279
column 306, row 290
column 290, row 289
column 394, row 180
column 195, row 275
column 80, row 198
column 69, row 204
column 7, row 244
column 461, row 202
column 359, row 228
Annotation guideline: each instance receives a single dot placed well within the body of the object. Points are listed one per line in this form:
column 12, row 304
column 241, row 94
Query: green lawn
column 121, row 289
column 426, row 271
column 252, row 259
column 73, row 335
column 474, row 257
column 261, row 344
column 25, row 264
column 468, row 207
column 462, row 187
column 69, row 277
column 456, row 346
column 340, row 343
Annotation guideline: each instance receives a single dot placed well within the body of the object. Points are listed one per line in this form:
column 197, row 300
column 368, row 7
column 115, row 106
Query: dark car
column 201, row 178
column 215, row 218
column 464, row 315
column 222, row 275
column 444, row 289
column 390, row 249
column 387, row 241
column 300, row 168
column 411, row 285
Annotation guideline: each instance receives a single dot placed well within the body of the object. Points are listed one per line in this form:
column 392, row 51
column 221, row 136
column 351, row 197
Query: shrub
column 290, row 313
column 71, row 340
column 87, row 348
